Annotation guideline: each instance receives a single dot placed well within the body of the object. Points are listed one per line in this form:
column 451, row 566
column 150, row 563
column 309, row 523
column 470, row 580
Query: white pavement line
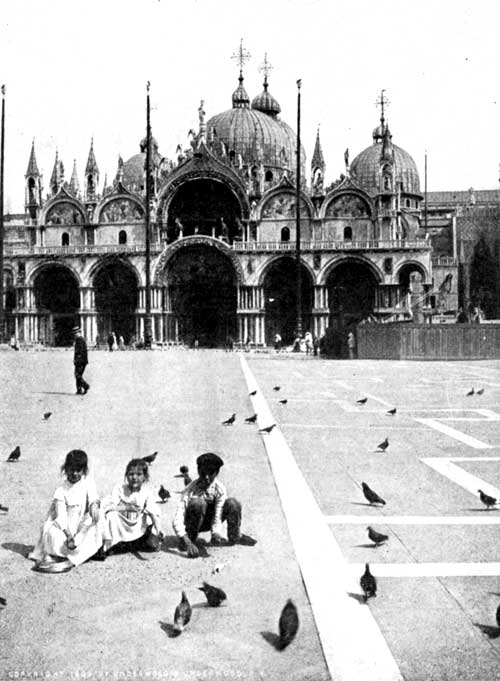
column 429, row 569
column 341, row 621
column 458, row 475
column 485, row 414
column 486, row 519
column 452, row 432
column 378, row 399
column 298, row 374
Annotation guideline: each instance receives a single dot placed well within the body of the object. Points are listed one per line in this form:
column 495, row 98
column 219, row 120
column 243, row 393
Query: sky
column 76, row 70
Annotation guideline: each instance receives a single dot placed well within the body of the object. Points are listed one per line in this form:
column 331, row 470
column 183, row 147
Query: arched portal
column 280, row 291
column 57, row 299
column 205, row 207
column 115, row 286
column 351, row 293
column 203, row 291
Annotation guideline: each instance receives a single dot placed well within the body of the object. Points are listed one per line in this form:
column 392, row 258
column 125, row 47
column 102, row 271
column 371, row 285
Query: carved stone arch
column 325, row 272
column 61, row 200
column 271, row 202
column 113, row 198
column 415, row 265
column 334, row 196
column 111, row 259
column 170, row 251
column 47, row 264
column 261, row 272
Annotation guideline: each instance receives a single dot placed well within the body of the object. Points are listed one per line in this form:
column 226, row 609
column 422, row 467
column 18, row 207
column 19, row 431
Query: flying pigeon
column 383, row 445
column 163, row 493
column 182, row 614
column 229, row 421
column 4, row 508
column 392, row 411
column 376, row 537
column 214, row 595
column 486, row 499
column 15, row 454
column 371, row 496
column 368, row 583
column 251, row 419
column 480, row 391
column 149, row 459
column 283, row 401
column 47, row 415
column 267, row 429
column 184, row 473
column 254, row 392
column 363, row 400
column 277, row 387
column 288, row 624
column 471, row 392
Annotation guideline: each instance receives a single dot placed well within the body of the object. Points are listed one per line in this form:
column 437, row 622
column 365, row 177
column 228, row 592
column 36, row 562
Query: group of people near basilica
column 80, row 525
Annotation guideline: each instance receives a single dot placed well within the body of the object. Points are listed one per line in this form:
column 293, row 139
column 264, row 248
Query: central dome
column 255, row 134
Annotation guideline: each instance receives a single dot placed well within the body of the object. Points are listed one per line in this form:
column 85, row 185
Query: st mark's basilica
column 223, row 238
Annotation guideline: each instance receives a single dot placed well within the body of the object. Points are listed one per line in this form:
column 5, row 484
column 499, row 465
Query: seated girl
column 131, row 513
column 71, row 533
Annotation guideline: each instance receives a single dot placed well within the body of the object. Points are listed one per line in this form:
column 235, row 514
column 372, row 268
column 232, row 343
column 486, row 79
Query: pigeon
column 288, row 624
column 471, row 392
column 277, row 387
column 214, row 595
column 383, row 445
column 218, row 568
column 182, row 614
column 163, row 493
column 480, row 391
column 254, row 392
column 363, row 400
column 368, row 583
column 283, row 401
column 229, row 421
column 498, row 615
column 376, row 537
column 4, row 508
column 267, row 429
column 184, row 473
column 149, row 459
column 486, row 499
column 3, row 601
column 371, row 496
column 47, row 415
column 392, row 411
column 251, row 419
column 15, row 454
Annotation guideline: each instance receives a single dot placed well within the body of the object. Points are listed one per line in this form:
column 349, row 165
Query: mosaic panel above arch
column 121, row 210
column 64, row 213
column 347, row 205
column 283, row 206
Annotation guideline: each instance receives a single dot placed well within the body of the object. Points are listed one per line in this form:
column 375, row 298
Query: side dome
column 133, row 169
column 365, row 169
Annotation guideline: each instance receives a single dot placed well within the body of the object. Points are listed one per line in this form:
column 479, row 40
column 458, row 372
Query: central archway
column 351, row 293
column 57, row 299
column 203, row 290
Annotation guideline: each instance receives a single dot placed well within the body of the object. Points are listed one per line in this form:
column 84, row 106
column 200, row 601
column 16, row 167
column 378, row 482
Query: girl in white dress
column 131, row 512
column 72, row 531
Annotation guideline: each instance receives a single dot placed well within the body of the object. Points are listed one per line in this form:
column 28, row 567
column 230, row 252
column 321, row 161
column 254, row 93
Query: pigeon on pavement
column 3, row 601
column 47, row 415
column 182, row 614
column 184, row 473
column 370, row 495
column 363, row 400
column 150, row 458
column 4, row 508
column 486, row 499
column 277, row 387
column 383, row 445
column 15, row 454
column 163, row 493
column 471, row 392
column 230, row 420
column 480, row 391
column 267, row 429
column 498, row 615
column 251, row 419
column 368, row 583
column 376, row 537
column 288, row 624
column 214, row 595
column 254, row 392
column 392, row 411
column 283, row 401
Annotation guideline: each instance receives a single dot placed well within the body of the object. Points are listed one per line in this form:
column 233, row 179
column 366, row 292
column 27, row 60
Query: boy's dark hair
column 138, row 463
column 209, row 462
column 76, row 460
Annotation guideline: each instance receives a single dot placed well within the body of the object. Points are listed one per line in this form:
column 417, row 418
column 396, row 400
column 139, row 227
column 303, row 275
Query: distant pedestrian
column 80, row 360
column 13, row 343
column 316, row 346
column 196, row 344
column 308, row 342
column 230, row 344
column 110, row 341
column 277, row 342
column 351, row 344
column 121, row 343
column 115, row 342
column 247, row 344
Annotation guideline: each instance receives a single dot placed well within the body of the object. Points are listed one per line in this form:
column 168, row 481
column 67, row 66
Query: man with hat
column 204, row 506
column 80, row 360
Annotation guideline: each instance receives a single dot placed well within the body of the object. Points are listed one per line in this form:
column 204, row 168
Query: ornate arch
column 46, row 265
column 54, row 210
column 170, row 251
column 345, row 194
column 416, row 265
column 262, row 270
column 122, row 216
column 272, row 204
column 112, row 258
column 342, row 259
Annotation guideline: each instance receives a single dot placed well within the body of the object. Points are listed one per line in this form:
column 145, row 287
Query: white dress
column 137, row 512
column 69, row 510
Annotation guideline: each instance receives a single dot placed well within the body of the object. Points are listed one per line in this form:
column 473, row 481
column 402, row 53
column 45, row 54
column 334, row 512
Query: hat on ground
column 209, row 461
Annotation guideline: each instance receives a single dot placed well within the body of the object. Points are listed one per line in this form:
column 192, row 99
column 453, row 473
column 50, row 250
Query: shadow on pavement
column 357, row 597
column 272, row 638
column 491, row 632
column 22, row 549
column 169, row 629
column 366, row 546
column 48, row 392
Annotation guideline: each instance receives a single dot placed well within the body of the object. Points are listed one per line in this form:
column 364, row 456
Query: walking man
column 80, row 360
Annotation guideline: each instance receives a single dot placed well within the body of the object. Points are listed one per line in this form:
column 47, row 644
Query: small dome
column 266, row 103
column 133, row 169
column 240, row 98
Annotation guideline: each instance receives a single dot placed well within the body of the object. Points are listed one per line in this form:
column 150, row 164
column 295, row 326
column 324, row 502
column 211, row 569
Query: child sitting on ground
column 131, row 513
column 204, row 506
column 71, row 533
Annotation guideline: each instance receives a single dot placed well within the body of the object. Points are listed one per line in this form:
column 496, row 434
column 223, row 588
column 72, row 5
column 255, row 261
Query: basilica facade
column 223, row 239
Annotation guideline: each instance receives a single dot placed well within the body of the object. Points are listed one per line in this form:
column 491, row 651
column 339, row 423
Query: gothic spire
column 318, row 160
column 74, row 184
column 57, row 176
column 91, row 167
column 32, row 170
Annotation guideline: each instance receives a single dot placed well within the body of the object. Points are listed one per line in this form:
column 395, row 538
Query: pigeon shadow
column 480, row 510
column 494, row 593
column 357, row 597
column 364, row 503
column 272, row 638
column 47, row 392
column 21, row 549
column 137, row 555
column 169, row 629
column 491, row 632
column 170, row 544
column 366, row 546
